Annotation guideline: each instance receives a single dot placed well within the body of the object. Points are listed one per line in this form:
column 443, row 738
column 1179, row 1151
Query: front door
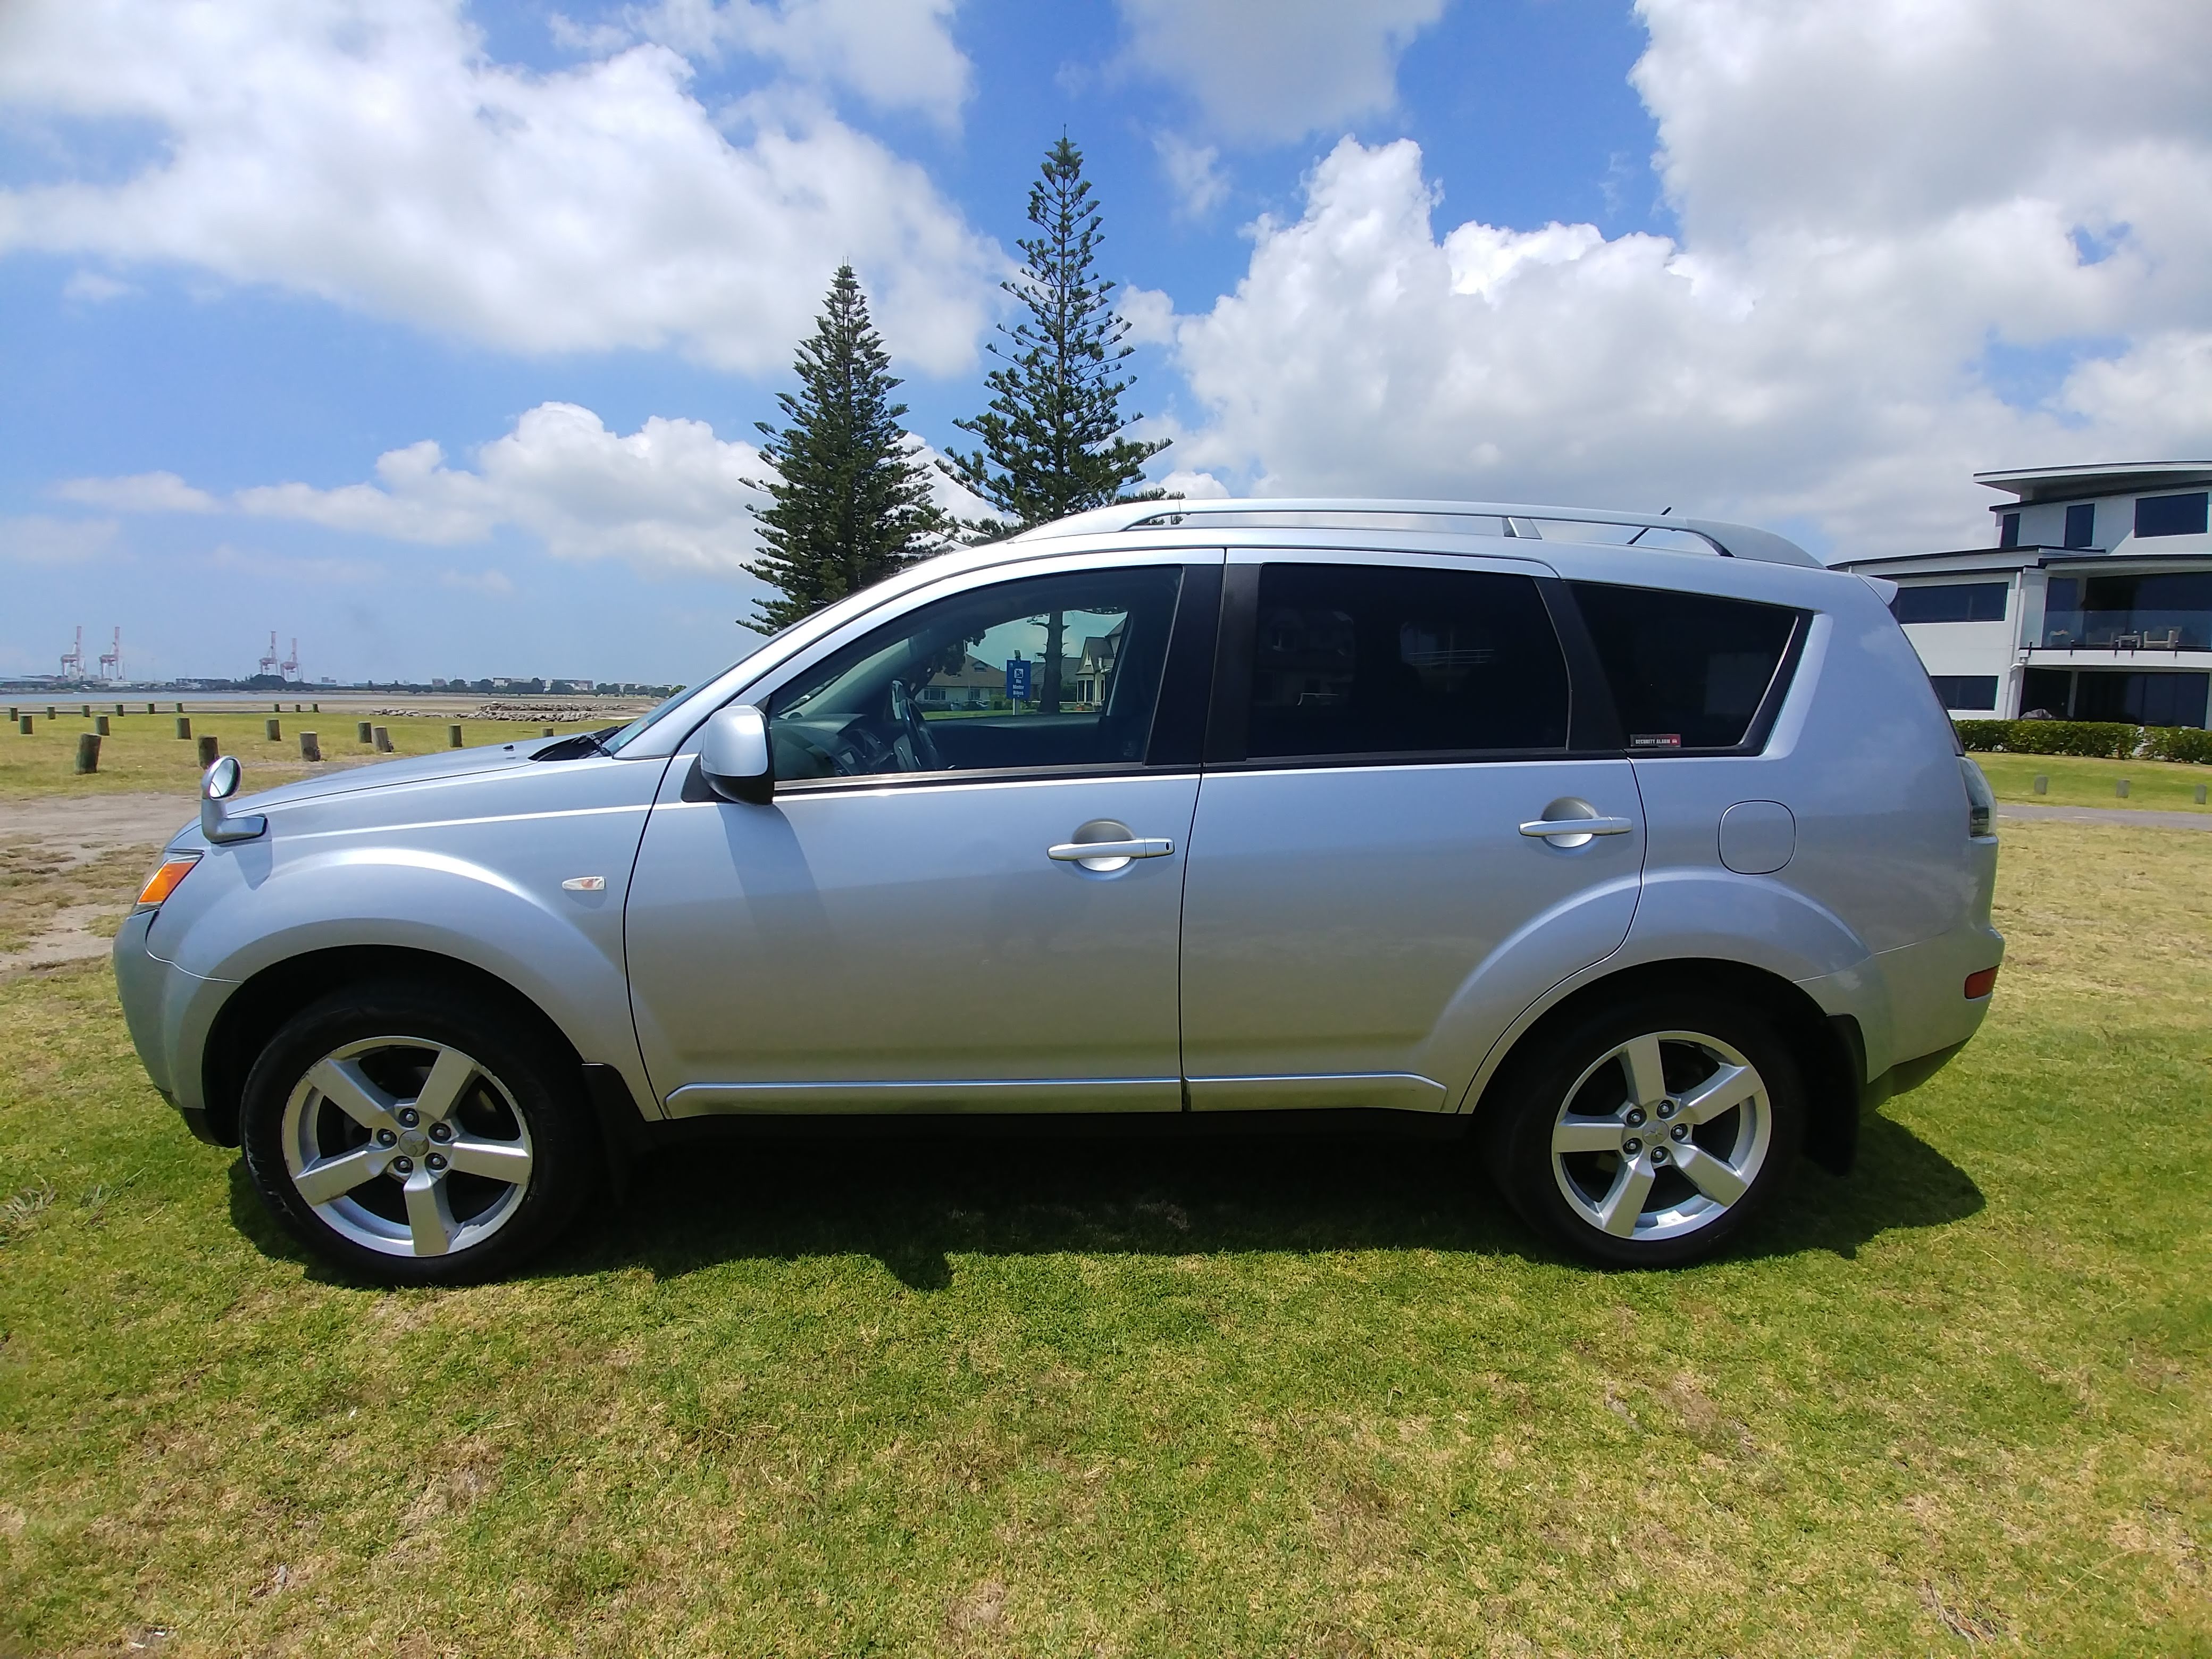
column 1364, row 914
column 913, row 923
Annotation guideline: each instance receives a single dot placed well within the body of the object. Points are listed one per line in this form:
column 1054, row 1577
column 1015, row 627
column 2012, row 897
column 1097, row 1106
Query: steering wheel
column 907, row 713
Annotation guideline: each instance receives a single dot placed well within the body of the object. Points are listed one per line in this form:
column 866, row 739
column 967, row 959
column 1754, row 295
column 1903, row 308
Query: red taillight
column 1980, row 985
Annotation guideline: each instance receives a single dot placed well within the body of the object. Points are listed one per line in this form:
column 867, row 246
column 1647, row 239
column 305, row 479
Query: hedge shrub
column 2100, row 739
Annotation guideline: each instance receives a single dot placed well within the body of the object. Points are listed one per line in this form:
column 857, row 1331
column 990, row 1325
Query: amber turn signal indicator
column 1980, row 985
column 163, row 882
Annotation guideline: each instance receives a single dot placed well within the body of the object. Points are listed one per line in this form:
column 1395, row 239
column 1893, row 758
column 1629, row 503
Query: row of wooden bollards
column 84, row 710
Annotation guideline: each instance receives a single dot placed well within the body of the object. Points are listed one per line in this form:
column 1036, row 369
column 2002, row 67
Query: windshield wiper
column 576, row 748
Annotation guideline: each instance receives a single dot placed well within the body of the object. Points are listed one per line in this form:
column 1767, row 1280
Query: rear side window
column 1688, row 670
column 1388, row 659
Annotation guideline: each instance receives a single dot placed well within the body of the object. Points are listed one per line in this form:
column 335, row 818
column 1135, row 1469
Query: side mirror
column 218, row 786
column 736, row 757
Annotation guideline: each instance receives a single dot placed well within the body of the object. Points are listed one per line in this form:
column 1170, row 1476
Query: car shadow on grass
column 916, row 1200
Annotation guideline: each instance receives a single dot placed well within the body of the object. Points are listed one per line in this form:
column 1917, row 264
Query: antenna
column 73, row 659
column 110, row 660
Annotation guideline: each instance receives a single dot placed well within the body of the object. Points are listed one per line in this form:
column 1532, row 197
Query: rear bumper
column 1910, row 1005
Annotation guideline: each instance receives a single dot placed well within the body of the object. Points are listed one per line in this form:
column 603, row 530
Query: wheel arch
column 260, row 1007
column 1829, row 1050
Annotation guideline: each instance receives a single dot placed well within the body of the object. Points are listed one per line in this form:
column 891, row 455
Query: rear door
column 1371, row 898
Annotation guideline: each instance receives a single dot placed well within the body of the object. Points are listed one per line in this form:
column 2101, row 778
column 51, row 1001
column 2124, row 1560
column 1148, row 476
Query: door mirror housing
column 736, row 757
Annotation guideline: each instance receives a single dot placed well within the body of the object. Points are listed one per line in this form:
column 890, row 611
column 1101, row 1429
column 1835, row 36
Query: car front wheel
column 1650, row 1134
column 416, row 1139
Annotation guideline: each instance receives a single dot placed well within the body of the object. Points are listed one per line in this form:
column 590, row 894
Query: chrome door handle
column 1079, row 852
column 1547, row 829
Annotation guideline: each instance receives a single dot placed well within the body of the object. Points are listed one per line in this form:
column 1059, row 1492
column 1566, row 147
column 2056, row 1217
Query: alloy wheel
column 406, row 1147
column 1662, row 1135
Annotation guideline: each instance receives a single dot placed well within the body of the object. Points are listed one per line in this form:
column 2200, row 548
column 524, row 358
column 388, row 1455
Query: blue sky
column 1793, row 263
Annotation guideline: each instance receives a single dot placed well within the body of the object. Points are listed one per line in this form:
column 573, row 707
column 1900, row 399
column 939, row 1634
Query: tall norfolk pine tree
column 849, row 503
column 1052, row 441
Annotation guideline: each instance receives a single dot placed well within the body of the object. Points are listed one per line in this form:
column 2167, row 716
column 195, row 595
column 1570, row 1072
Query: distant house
column 974, row 684
column 2094, row 605
column 1092, row 671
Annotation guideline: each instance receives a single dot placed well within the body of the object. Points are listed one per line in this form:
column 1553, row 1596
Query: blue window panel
column 1967, row 692
column 1951, row 602
column 2008, row 530
column 2082, row 524
column 2172, row 515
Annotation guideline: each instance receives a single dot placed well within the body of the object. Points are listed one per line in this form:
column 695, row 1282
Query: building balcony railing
column 2126, row 630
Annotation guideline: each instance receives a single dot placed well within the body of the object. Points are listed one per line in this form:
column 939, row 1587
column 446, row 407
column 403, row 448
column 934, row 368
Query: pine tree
column 1052, row 441
column 849, row 503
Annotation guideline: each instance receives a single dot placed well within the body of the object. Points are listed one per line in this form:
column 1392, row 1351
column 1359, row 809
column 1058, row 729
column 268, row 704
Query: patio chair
column 2161, row 639
column 2127, row 642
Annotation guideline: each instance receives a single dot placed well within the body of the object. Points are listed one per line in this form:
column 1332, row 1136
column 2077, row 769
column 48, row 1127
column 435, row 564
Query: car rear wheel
column 415, row 1138
column 1648, row 1134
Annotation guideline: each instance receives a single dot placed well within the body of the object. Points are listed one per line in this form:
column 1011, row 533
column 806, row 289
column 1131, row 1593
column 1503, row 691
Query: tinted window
column 2082, row 524
column 2171, row 515
column 1688, row 670
column 1951, row 602
column 1966, row 690
column 2008, row 530
column 1383, row 659
column 1054, row 670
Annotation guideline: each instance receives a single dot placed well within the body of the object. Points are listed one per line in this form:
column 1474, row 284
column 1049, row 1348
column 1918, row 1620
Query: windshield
column 613, row 743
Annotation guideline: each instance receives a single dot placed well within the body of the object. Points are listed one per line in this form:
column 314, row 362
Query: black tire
column 525, row 1094
column 1582, row 1065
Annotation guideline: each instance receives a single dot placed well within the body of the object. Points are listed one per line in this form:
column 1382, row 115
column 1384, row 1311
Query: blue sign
column 1018, row 680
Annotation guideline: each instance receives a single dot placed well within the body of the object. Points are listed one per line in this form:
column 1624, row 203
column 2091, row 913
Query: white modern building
column 2096, row 604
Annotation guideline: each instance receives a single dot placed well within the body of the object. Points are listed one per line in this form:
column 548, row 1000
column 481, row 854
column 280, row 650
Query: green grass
column 1230, row 1398
column 2076, row 781
column 142, row 753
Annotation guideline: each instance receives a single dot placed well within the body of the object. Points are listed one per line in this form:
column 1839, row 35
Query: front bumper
column 169, row 1011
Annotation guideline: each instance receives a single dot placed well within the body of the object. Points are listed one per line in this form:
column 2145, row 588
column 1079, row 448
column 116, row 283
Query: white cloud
column 36, row 539
column 490, row 584
column 1194, row 173
column 369, row 152
column 669, row 496
column 92, row 287
column 1149, row 314
column 143, row 492
column 1814, row 346
column 1270, row 70
column 896, row 54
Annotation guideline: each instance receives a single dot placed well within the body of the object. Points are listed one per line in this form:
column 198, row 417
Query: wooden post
column 363, row 732
column 99, row 725
column 88, row 751
column 23, row 725
column 149, row 707
column 311, row 746
column 549, row 731
column 2121, row 788
column 180, row 709
column 14, row 713
column 314, row 708
column 274, row 729
column 384, row 739
column 2042, row 783
column 276, row 707
column 452, row 737
column 50, row 712
column 2200, row 794
column 86, row 713
column 210, row 752
column 184, row 726
column 119, row 708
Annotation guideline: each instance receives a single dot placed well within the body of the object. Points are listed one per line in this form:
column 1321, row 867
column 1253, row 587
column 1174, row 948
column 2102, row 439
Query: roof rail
column 1658, row 532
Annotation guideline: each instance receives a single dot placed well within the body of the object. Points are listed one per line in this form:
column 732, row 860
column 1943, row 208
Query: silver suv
column 1636, row 845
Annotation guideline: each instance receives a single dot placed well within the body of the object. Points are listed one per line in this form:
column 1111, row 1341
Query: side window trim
column 1191, row 636
column 1771, row 700
column 1591, row 708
